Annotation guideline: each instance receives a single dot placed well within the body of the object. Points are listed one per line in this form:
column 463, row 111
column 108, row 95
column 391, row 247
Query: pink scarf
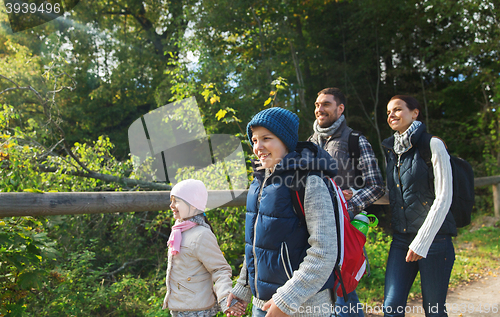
column 174, row 241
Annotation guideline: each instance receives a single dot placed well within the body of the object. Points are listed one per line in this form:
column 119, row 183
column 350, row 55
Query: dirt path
column 477, row 298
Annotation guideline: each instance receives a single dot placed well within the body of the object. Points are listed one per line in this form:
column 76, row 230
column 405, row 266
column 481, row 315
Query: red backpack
column 351, row 263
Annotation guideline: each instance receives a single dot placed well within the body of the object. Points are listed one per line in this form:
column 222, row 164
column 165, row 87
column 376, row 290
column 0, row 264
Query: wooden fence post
column 70, row 203
column 496, row 199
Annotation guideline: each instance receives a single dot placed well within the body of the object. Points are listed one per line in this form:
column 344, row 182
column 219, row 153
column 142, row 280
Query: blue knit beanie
column 281, row 122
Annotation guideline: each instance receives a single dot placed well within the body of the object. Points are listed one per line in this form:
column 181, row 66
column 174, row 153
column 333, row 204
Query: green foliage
column 78, row 288
column 229, row 227
column 370, row 289
column 280, row 84
column 65, row 263
column 124, row 59
column 477, row 251
column 23, row 154
column 25, row 250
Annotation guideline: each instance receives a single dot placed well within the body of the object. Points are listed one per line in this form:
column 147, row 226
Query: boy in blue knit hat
column 287, row 263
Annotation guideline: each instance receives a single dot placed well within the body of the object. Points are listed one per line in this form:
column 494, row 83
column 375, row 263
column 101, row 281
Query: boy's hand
column 237, row 309
column 273, row 310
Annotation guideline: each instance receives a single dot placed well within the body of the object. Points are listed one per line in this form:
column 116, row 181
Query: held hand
column 237, row 309
column 411, row 256
column 347, row 194
column 273, row 310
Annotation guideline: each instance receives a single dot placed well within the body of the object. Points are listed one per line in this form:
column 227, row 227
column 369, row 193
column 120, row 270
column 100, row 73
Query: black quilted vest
column 410, row 192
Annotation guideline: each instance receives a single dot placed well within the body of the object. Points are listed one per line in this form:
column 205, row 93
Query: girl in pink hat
column 198, row 276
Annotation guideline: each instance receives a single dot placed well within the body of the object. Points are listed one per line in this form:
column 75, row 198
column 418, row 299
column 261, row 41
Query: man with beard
column 360, row 180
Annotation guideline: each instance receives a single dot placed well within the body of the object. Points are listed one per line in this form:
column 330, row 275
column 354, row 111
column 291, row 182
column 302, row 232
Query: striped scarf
column 402, row 140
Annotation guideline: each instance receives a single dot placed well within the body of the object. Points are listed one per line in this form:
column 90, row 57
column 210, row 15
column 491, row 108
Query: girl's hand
column 273, row 310
column 237, row 309
column 411, row 256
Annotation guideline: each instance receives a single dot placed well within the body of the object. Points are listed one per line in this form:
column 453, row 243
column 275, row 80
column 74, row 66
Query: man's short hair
column 338, row 96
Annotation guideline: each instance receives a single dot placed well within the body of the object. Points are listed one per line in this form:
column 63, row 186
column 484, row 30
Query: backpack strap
column 388, row 146
column 368, row 270
column 330, row 183
column 298, row 192
column 424, row 148
column 298, row 201
column 341, row 284
column 354, row 151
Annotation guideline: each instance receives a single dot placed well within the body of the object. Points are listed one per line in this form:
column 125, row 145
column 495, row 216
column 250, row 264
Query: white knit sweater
column 443, row 187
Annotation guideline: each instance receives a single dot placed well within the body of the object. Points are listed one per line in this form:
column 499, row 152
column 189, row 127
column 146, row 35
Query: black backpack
column 463, row 181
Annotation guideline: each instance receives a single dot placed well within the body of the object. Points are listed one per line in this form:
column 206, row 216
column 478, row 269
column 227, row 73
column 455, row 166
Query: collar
column 402, row 141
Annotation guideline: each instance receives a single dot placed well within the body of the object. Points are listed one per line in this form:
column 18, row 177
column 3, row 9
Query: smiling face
column 180, row 208
column 327, row 111
column 268, row 148
column 399, row 116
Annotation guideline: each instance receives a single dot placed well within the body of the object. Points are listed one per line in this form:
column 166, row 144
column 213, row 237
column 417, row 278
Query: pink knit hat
column 193, row 192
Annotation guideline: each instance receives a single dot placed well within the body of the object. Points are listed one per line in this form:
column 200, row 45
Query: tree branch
column 20, row 88
column 121, row 268
column 259, row 22
column 86, row 171
column 107, row 178
column 298, row 74
column 47, row 113
column 126, row 12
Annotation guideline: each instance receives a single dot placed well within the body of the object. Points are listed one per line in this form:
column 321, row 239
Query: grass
column 477, row 252
column 477, row 249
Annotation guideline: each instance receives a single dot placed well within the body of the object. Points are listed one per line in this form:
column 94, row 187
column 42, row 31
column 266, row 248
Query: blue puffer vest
column 276, row 238
column 411, row 193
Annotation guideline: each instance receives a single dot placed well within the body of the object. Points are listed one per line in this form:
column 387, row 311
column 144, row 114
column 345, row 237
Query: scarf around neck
column 328, row 131
column 175, row 239
column 402, row 140
column 200, row 220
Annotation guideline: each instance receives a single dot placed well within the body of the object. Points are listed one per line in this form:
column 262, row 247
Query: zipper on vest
column 255, row 236
column 255, row 255
column 399, row 177
column 402, row 200
column 286, row 260
column 401, row 184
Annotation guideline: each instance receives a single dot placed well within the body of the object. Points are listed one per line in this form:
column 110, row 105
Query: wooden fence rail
column 50, row 204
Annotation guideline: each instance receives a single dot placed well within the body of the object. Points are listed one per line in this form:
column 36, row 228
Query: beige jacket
column 198, row 273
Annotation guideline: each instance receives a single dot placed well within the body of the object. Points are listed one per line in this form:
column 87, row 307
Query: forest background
column 70, row 88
